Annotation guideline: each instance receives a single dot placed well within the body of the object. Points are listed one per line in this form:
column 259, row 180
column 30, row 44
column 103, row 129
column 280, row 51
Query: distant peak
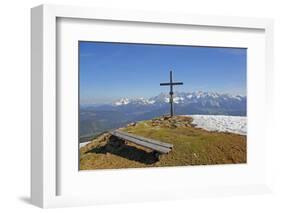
column 122, row 101
column 181, row 98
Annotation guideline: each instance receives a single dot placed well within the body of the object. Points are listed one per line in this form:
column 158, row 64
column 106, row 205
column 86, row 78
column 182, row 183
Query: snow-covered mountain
column 213, row 99
column 95, row 119
column 140, row 101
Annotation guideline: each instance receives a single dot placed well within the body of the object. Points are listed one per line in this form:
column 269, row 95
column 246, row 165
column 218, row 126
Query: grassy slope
column 192, row 146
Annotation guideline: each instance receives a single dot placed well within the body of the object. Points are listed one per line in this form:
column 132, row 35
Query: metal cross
column 171, row 84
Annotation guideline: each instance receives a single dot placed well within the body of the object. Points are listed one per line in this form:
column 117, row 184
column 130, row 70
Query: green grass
column 192, row 146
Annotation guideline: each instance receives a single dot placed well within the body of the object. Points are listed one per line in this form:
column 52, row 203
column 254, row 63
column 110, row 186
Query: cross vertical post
column 171, row 94
column 171, row 84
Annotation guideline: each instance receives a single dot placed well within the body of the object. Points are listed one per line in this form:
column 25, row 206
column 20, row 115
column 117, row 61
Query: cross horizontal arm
column 174, row 83
column 165, row 84
column 177, row 83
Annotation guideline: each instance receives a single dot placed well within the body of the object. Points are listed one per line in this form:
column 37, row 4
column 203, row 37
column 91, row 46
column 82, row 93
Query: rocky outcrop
column 172, row 122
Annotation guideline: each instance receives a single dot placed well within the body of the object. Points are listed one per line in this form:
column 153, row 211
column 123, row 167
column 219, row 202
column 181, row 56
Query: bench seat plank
column 135, row 140
column 168, row 145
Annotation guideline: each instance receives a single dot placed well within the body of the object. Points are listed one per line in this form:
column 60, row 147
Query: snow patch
column 84, row 144
column 221, row 123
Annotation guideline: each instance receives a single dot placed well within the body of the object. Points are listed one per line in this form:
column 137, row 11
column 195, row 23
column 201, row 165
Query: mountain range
column 95, row 119
column 182, row 98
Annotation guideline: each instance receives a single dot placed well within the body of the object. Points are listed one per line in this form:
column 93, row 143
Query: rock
column 195, row 155
column 132, row 124
column 167, row 121
column 173, row 126
column 177, row 125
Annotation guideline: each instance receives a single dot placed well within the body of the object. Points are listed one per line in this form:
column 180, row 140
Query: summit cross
column 171, row 84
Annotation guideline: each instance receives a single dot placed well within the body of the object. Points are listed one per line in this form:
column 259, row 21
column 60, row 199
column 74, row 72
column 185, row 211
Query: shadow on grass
column 120, row 148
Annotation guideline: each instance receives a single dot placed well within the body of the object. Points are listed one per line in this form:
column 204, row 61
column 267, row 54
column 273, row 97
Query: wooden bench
column 158, row 146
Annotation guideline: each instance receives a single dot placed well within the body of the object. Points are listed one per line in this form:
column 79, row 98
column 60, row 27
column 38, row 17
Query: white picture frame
column 44, row 149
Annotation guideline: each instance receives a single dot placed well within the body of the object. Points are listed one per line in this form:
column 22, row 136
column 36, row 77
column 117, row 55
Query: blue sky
column 109, row 71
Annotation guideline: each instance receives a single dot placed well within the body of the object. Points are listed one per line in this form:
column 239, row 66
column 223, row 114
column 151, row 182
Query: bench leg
column 156, row 154
column 115, row 142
